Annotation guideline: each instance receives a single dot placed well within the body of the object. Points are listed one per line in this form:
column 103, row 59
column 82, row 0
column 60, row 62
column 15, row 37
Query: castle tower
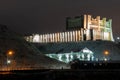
column 98, row 29
column 79, row 28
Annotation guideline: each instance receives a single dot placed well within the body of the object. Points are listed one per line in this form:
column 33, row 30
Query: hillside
column 25, row 55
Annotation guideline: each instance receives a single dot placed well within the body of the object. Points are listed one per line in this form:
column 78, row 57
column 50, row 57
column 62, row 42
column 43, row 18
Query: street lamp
column 118, row 38
column 8, row 61
column 106, row 53
column 9, row 55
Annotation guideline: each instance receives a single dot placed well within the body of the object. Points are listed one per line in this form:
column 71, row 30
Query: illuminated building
column 76, row 41
column 85, row 54
column 98, row 50
column 81, row 28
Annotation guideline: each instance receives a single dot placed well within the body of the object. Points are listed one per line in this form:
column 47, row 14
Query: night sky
column 43, row 16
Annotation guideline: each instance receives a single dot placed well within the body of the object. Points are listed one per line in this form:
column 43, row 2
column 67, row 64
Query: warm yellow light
column 10, row 52
column 106, row 52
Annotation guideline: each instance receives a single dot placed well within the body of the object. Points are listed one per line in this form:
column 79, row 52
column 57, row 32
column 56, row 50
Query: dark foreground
column 61, row 74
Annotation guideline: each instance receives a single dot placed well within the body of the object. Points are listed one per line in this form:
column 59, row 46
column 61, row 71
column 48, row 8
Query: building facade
column 83, row 55
column 81, row 28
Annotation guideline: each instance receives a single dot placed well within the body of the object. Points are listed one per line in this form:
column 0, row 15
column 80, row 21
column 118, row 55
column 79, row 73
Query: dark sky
column 43, row 16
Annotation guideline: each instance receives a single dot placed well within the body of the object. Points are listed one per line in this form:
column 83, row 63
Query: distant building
column 80, row 28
